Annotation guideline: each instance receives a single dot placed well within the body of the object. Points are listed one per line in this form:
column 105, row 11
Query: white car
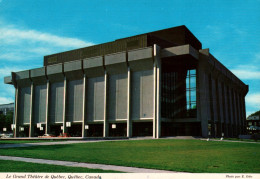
column 7, row 136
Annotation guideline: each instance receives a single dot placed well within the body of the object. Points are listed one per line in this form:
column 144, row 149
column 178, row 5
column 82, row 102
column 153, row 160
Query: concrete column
column 244, row 111
column 154, row 98
column 16, row 112
column 220, row 105
column 214, row 106
column 31, row 128
column 129, row 122
column 223, row 109
column 226, row 111
column 47, row 126
column 64, row 105
column 158, row 91
column 235, row 110
column 238, row 113
column 106, row 127
column 84, row 133
column 242, row 114
column 231, row 112
column 203, row 103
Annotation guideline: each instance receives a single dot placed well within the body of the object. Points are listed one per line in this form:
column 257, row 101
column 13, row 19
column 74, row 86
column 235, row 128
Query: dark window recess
column 179, row 94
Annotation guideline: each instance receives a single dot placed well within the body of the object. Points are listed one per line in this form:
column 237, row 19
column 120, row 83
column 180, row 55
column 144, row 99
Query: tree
column 6, row 121
column 257, row 113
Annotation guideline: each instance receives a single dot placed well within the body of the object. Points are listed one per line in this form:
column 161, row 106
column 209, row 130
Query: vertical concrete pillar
column 231, row 112
column 84, row 133
column 242, row 114
column 235, row 110
column 244, row 111
column 106, row 127
column 64, row 105
column 31, row 128
column 203, row 110
column 47, row 126
column 226, row 111
column 154, row 100
column 238, row 113
column 223, row 107
column 129, row 122
column 220, row 106
column 16, row 112
column 158, row 89
column 213, row 105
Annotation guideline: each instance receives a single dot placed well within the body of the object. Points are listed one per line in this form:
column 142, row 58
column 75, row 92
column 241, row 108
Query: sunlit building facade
column 156, row 84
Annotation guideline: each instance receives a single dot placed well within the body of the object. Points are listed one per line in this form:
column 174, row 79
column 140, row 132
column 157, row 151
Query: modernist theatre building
column 156, row 84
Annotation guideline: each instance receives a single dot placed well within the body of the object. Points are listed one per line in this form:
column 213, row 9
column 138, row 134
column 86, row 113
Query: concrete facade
column 156, row 84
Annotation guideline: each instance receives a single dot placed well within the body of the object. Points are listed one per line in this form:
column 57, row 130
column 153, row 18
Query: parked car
column 7, row 135
column 64, row 135
column 47, row 136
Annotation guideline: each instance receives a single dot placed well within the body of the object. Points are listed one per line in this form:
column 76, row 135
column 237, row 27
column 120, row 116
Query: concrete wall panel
column 8, row 80
column 117, row 97
column 55, row 73
column 147, row 94
column 24, row 105
column 74, row 100
column 95, row 99
column 56, row 102
column 40, row 104
column 142, row 95
column 73, row 70
column 38, row 76
column 23, row 78
column 116, row 63
column 93, row 67
column 140, row 59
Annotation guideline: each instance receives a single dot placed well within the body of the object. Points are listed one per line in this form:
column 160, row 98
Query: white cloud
column 23, row 49
column 6, row 70
column 247, row 72
column 18, row 44
column 4, row 100
column 12, row 35
column 253, row 100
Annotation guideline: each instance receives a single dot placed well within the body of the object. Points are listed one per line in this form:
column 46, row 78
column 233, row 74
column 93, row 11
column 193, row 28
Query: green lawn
column 13, row 166
column 177, row 155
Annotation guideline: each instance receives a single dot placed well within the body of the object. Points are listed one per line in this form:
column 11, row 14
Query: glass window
column 179, row 94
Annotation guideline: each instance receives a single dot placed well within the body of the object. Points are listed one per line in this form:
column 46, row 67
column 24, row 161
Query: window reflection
column 179, row 94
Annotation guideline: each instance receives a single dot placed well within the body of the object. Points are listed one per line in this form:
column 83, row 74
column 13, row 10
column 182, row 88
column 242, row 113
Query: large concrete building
column 5, row 108
column 155, row 84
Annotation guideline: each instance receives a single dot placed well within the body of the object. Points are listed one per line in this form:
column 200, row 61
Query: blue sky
column 30, row 29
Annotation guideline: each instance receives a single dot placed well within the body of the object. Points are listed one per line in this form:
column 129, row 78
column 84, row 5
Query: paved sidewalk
column 231, row 141
column 3, row 146
column 87, row 165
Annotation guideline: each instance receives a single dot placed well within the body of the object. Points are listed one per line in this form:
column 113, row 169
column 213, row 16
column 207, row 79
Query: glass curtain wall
column 179, row 94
